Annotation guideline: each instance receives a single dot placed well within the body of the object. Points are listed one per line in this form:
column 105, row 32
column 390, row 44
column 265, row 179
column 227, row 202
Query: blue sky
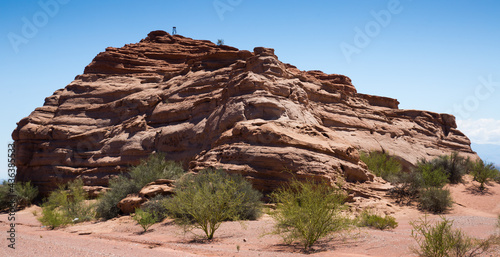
column 441, row 56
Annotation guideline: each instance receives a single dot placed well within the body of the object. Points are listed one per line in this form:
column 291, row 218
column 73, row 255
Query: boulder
column 130, row 203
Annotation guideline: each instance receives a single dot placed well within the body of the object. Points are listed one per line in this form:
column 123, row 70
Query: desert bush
column 497, row 176
column 441, row 240
column 307, row 211
column 67, row 204
column 153, row 168
column 149, row 170
column 25, row 193
column 107, row 203
column 206, row 199
column 432, row 176
column 145, row 219
column 454, row 165
column 382, row 164
column 367, row 219
column 4, row 196
column 156, row 205
column 483, row 172
column 407, row 186
column 436, row 200
column 53, row 218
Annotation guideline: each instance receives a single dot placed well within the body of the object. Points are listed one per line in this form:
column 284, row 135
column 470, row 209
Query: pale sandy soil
column 474, row 213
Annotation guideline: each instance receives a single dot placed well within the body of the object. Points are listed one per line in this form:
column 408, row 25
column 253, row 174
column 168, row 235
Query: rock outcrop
column 216, row 106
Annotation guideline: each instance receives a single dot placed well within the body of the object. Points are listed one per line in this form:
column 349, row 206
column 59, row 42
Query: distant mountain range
column 489, row 153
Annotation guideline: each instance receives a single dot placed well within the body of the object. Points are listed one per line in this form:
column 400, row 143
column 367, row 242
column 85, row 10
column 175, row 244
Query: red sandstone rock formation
column 209, row 105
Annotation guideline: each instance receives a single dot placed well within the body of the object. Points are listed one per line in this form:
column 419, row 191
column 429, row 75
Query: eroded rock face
column 217, row 106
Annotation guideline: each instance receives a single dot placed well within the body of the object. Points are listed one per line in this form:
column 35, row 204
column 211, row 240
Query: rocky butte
column 216, row 106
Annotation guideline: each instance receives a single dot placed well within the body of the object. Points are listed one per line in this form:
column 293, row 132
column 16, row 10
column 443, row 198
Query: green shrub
column 156, row 205
column 483, row 172
column 381, row 164
column 367, row 219
column 149, row 170
column 497, row 176
column 454, row 165
column 53, row 218
column 25, row 193
column 441, row 240
column 206, row 199
column 67, row 204
column 4, row 196
column 407, row 186
column 154, row 168
column 307, row 211
column 432, row 176
column 145, row 219
column 107, row 203
column 436, row 200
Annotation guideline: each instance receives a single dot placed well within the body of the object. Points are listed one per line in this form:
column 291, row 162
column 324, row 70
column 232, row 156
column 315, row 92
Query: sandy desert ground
column 474, row 213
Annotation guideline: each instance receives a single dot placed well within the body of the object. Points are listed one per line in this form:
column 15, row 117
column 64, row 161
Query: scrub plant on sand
column 442, row 240
column 206, row 199
column 308, row 211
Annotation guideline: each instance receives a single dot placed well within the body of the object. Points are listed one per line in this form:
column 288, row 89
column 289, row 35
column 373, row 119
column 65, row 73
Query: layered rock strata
column 216, row 106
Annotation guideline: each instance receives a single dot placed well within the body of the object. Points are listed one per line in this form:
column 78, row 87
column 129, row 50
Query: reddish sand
column 474, row 213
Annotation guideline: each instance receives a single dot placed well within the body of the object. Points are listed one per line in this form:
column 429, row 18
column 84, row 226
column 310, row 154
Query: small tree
column 25, row 193
column 308, row 211
column 483, row 173
column 206, row 199
column 220, row 42
column 145, row 219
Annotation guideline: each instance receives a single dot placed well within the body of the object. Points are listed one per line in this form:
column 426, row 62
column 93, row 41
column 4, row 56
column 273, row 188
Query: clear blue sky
column 430, row 55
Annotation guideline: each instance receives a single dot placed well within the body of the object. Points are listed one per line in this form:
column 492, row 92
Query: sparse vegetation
column 220, row 42
column 367, row 219
column 441, row 240
column 65, row 205
column 307, row 211
column 432, row 176
column 425, row 183
column 4, row 195
column 407, row 186
column 151, row 169
column 206, row 199
column 382, row 164
column 25, row 193
column 454, row 165
column 145, row 218
column 156, row 206
column 483, row 173
column 435, row 200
